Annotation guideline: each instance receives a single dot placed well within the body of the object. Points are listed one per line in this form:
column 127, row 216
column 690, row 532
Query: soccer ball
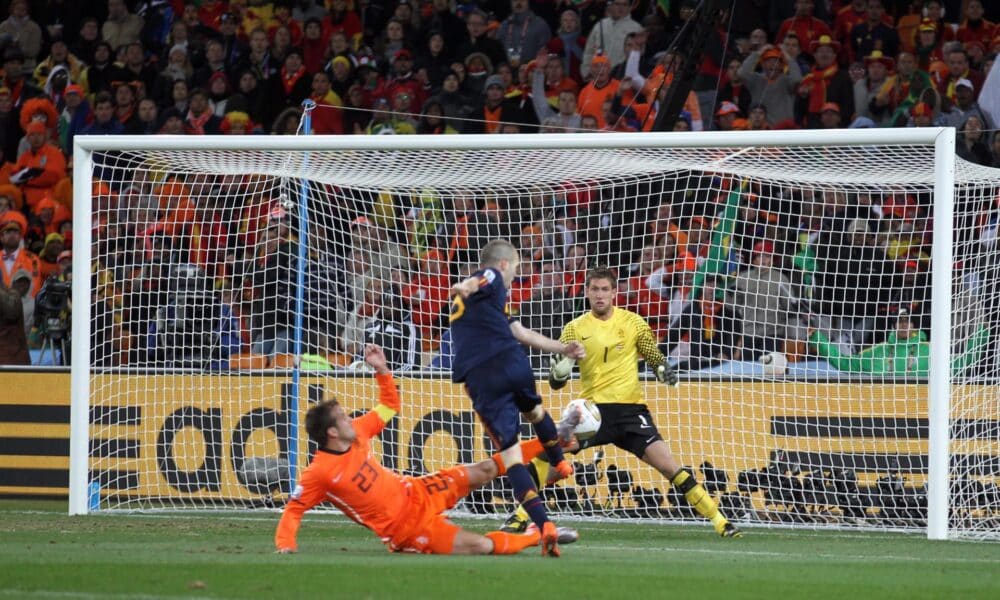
column 774, row 363
column 588, row 416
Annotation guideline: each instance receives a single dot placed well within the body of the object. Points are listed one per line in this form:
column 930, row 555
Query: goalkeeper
column 405, row 512
column 614, row 339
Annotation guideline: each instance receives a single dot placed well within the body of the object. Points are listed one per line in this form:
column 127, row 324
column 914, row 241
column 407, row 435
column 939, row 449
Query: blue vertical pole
column 300, row 284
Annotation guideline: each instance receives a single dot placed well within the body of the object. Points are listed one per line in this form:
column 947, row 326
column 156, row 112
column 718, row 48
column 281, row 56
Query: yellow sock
column 541, row 471
column 699, row 499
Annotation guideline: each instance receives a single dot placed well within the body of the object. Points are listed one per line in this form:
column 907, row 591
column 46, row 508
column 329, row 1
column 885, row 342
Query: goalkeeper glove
column 666, row 374
column 559, row 371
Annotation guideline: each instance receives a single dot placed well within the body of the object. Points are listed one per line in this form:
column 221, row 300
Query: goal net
column 829, row 299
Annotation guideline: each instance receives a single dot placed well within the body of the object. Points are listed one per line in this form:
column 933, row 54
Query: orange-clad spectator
column 428, row 293
column 237, row 122
column 41, row 166
column 827, row 82
column 10, row 198
column 600, row 90
column 975, row 28
column 14, row 256
column 656, row 85
column 406, row 513
column 806, row 27
column 43, row 111
column 50, row 216
column 663, row 225
column 48, row 258
column 922, row 114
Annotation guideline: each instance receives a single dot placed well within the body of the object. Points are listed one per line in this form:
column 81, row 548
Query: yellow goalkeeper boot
column 517, row 522
column 726, row 529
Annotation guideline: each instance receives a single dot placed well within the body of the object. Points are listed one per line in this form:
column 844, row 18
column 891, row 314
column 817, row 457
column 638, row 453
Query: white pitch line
column 784, row 555
column 85, row 595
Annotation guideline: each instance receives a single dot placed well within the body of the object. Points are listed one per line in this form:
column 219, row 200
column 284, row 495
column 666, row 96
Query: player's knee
column 482, row 472
column 535, row 414
column 512, row 456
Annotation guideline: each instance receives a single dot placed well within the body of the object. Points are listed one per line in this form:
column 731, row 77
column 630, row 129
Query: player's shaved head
column 319, row 419
column 496, row 251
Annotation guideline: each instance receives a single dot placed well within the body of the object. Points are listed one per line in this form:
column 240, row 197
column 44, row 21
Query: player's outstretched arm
column 388, row 397
column 544, row 343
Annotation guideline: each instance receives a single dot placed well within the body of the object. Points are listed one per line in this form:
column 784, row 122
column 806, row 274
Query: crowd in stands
column 492, row 66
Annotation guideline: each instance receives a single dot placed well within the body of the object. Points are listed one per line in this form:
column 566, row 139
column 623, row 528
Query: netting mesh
column 790, row 286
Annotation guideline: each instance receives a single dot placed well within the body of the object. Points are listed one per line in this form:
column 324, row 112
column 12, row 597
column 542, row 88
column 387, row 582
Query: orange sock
column 529, row 450
column 512, row 543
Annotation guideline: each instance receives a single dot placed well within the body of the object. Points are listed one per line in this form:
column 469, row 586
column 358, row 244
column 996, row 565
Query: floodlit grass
column 47, row 554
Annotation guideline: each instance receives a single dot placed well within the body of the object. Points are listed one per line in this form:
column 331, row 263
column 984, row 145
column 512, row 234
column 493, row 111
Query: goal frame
column 942, row 138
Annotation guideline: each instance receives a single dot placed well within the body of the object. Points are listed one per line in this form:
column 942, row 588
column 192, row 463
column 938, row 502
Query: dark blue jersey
column 480, row 328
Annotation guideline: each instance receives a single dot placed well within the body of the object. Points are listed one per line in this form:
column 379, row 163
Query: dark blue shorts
column 501, row 389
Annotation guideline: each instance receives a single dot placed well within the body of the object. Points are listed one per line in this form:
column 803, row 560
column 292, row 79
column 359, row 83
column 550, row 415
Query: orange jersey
column 354, row 481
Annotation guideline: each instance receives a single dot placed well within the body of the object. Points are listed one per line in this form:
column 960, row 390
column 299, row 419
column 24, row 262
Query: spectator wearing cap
column 928, row 44
column 177, row 68
column 903, row 89
column 282, row 17
column 830, row 116
column 14, row 255
column 974, row 28
column 48, row 258
column 523, row 33
column 564, row 116
column 39, row 109
column 807, row 28
column 104, row 122
column 313, row 46
column 478, row 39
column 959, row 69
column 878, row 68
column 235, row 47
column 219, row 94
column 40, row 167
column 874, row 34
column 827, row 82
column 725, row 115
column 11, row 199
column 600, row 90
column 496, row 108
column 121, row 27
column 24, row 33
column 775, row 85
column 384, row 120
column 963, row 107
column 403, row 81
column 607, row 39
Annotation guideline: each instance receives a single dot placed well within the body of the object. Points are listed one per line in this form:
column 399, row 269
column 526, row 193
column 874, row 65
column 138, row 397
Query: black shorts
column 628, row 426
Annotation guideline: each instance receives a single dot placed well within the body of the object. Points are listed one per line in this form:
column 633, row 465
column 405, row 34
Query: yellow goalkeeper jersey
column 610, row 372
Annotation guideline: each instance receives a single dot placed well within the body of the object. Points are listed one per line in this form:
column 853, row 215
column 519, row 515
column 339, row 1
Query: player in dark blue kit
column 489, row 359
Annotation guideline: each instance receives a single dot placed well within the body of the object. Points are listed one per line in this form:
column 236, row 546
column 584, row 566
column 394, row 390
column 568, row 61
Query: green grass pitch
column 46, row 554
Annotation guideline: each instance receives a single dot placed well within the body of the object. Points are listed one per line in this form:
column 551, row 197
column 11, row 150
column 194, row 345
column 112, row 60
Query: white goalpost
column 828, row 298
